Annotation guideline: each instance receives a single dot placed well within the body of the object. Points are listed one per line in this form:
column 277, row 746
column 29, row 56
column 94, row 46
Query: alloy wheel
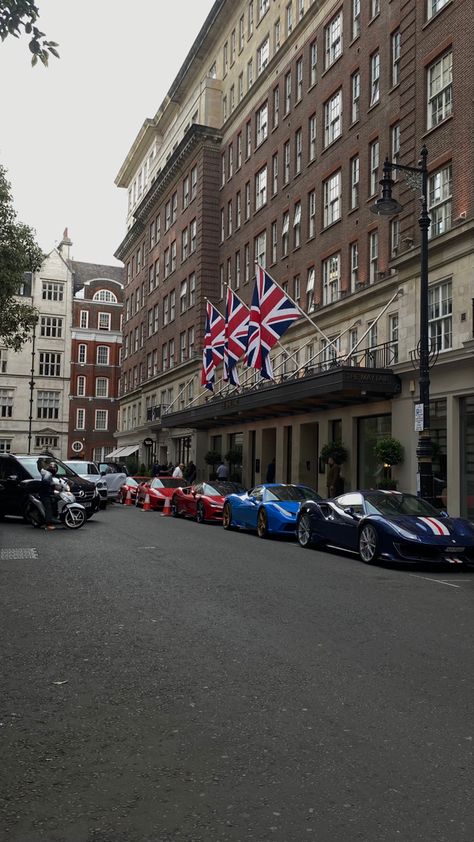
column 368, row 544
column 262, row 528
column 303, row 531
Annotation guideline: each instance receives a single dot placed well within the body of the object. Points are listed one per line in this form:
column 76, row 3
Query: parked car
column 270, row 509
column 90, row 471
column 386, row 526
column 130, row 484
column 159, row 489
column 203, row 500
column 16, row 468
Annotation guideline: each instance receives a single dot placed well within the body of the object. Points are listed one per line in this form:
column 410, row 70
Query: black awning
column 336, row 387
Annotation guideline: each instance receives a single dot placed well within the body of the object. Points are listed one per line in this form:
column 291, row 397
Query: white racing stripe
column 437, row 526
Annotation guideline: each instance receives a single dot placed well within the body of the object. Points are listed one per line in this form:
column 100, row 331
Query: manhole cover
column 18, row 552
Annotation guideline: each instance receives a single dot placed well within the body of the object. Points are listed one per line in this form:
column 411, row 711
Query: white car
column 90, row 471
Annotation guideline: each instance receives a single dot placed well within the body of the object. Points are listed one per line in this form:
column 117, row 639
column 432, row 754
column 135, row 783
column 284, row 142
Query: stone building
column 270, row 146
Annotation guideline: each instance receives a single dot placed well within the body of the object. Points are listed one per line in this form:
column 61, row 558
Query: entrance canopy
column 121, row 452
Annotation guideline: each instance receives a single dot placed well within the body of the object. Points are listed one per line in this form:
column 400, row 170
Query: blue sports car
column 386, row 525
column 270, row 509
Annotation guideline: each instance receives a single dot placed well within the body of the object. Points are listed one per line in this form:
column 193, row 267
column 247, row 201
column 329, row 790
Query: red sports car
column 203, row 500
column 158, row 489
column 130, row 484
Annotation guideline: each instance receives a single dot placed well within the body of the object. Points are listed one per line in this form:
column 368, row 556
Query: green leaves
column 18, row 14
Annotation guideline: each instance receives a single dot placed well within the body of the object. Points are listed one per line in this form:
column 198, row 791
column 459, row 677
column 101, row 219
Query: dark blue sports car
column 386, row 525
column 270, row 509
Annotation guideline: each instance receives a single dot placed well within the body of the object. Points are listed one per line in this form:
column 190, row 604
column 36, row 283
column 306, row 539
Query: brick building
column 281, row 116
column 95, row 360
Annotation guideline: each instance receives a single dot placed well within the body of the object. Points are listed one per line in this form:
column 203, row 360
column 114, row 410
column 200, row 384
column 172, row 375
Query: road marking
column 18, row 553
column 438, row 581
column 147, row 548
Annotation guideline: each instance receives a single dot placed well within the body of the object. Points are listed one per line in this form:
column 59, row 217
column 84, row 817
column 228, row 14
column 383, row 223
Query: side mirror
column 352, row 513
column 13, row 478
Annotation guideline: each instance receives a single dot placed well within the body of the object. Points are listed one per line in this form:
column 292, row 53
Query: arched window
column 105, row 295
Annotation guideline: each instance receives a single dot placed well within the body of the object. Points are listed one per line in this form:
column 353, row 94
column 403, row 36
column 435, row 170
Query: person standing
column 332, row 478
column 271, row 471
column 191, row 472
column 178, row 471
column 222, row 471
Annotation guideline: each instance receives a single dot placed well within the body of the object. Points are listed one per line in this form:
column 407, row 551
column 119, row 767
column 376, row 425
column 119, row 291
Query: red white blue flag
column 213, row 351
column 271, row 314
column 236, row 331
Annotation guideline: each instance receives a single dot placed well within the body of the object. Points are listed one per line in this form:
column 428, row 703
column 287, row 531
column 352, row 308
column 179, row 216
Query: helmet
column 53, row 468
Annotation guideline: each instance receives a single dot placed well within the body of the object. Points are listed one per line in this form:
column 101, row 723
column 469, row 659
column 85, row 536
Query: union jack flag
column 271, row 314
column 236, row 331
column 213, row 350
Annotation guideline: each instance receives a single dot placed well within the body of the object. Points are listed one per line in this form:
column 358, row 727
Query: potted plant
column 213, row 458
column 334, row 450
column 234, row 458
column 388, row 451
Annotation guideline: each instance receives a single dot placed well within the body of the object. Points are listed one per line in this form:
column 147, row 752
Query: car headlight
column 284, row 511
column 101, row 484
column 410, row 536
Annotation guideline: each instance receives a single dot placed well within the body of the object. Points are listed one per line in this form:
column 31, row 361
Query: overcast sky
column 65, row 130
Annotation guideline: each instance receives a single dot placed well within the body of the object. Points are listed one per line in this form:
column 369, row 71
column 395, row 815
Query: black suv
column 14, row 469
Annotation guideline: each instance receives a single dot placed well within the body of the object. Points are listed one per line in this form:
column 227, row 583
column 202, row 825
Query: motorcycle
column 70, row 514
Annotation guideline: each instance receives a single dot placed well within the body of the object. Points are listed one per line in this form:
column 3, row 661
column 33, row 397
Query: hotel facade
column 269, row 147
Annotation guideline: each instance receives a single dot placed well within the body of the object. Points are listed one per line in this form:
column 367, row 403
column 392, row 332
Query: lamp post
column 417, row 177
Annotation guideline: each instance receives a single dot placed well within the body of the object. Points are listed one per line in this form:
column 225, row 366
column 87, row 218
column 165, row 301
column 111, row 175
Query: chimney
column 64, row 247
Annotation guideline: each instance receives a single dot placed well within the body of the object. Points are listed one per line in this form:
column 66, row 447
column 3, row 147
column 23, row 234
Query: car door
column 11, row 493
column 341, row 521
column 190, row 498
column 251, row 506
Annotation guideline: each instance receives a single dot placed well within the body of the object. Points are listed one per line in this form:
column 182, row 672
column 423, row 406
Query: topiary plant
column 388, row 451
column 336, row 451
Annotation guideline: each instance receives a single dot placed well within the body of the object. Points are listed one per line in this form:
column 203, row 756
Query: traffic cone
column 128, row 498
column 166, row 508
column 147, row 505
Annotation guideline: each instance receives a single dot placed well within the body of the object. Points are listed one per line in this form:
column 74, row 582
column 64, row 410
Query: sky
column 65, row 130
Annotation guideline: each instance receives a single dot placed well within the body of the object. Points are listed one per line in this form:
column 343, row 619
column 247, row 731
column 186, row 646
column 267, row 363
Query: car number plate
column 455, row 549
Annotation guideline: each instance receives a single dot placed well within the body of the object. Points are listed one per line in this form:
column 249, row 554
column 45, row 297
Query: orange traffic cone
column 147, row 505
column 166, row 508
column 128, row 498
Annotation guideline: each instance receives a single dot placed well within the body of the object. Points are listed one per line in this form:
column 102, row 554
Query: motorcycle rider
column 47, row 490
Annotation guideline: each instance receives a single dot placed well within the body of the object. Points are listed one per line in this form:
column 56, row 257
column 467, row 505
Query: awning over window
column 123, row 451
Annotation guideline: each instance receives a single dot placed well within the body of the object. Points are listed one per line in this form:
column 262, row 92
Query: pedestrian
column 178, row 471
column 222, row 471
column 155, row 469
column 271, row 471
column 333, row 479
column 191, row 472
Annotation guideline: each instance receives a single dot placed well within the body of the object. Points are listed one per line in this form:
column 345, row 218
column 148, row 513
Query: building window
column 42, row 442
column 311, row 214
column 332, row 199
column 394, row 236
column 102, row 387
column 248, row 139
column 47, row 405
column 440, row 309
column 274, row 241
column 3, row 360
column 289, row 19
column 298, row 151
column 81, row 386
column 440, row 90
column 333, row 40
column 238, row 209
column 393, row 337
column 285, row 233
column 194, row 181
column 172, row 305
column 354, row 264
column 82, row 354
column 275, row 173
column 192, row 236
column 355, row 30
column 310, row 282
column 396, row 55
column 331, row 278
column 440, row 188
column 434, row 7
column 277, row 34
column 246, row 263
column 374, row 154
column 230, row 158
column 355, row 181
column 183, row 296
column 104, row 321
column 52, row 292
column 53, row 326
column 6, row 403
column 105, row 295
column 237, row 269
column 247, row 200
column 286, row 162
column 312, row 137
column 355, row 96
column 250, row 20
column 276, row 106
column 313, row 63
column 333, row 118
column 239, row 150
column 373, row 256
column 261, row 123
column 249, row 74
column 263, row 55
column 374, row 78
column 83, row 319
column 374, row 8
column 297, row 225
column 261, row 188
column 49, row 364
column 287, row 92
column 229, row 218
column 395, row 146
column 260, row 246
column 102, row 355
column 80, row 419
column 101, row 419
column 299, row 80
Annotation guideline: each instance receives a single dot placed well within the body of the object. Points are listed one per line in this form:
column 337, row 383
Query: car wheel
column 200, row 513
column 262, row 524
column 227, row 516
column 174, row 508
column 368, row 544
column 303, row 531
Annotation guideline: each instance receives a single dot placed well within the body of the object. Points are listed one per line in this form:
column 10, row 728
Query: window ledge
column 438, row 125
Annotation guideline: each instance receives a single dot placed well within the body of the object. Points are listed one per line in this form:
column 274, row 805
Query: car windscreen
column 167, row 482
column 31, row 465
column 83, row 468
column 221, row 489
column 293, row 492
column 392, row 505
column 131, row 482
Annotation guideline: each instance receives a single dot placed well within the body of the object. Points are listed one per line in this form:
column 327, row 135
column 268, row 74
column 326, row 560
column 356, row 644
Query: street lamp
column 417, row 177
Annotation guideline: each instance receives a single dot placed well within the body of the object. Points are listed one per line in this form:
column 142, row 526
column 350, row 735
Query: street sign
column 419, row 418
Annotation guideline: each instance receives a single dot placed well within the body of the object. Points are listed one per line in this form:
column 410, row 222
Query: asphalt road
column 166, row 681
